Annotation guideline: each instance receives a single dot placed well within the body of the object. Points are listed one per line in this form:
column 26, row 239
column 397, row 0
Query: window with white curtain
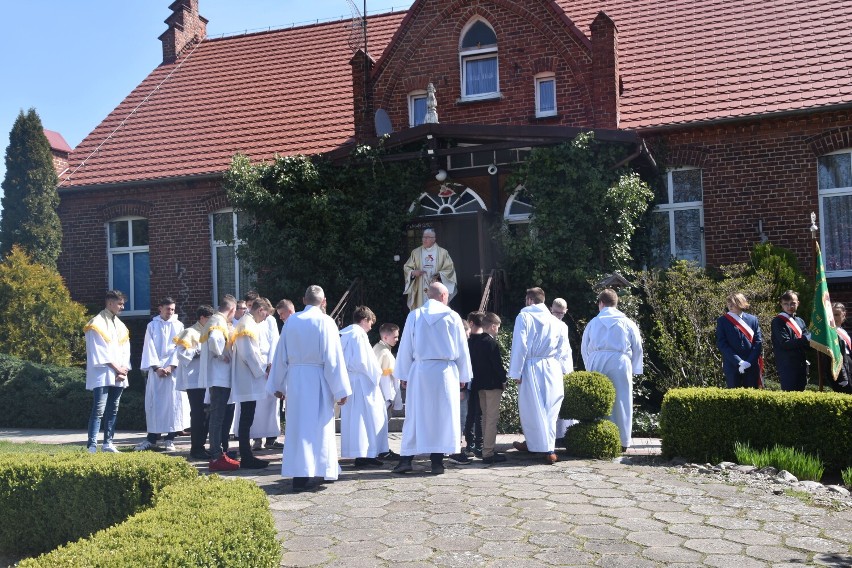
column 480, row 73
column 545, row 94
column 129, row 263
column 835, row 208
column 230, row 274
column 678, row 223
column 416, row 108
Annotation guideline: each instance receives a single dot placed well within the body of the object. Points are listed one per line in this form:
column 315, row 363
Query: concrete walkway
column 632, row 512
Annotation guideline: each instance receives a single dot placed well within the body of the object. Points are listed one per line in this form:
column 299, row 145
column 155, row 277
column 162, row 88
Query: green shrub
column 598, row 440
column 702, row 424
column 44, row 396
column 800, row 464
column 510, row 417
column 846, row 475
column 208, row 521
column 49, row 500
column 38, row 320
column 588, row 396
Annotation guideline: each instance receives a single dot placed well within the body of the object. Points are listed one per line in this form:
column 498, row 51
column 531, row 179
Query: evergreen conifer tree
column 30, row 199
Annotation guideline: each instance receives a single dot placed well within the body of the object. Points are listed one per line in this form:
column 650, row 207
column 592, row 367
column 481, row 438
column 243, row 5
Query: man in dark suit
column 790, row 343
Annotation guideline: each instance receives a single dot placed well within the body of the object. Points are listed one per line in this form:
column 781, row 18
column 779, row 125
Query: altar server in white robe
column 248, row 376
column 267, row 420
column 612, row 345
column 434, row 362
column 107, row 365
column 215, row 370
column 309, row 372
column 363, row 419
column 163, row 402
column 540, row 353
column 188, row 380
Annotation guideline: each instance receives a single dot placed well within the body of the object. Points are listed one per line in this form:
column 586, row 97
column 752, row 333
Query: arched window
column 230, row 274
column 129, row 263
column 519, row 207
column 480, row 77
column 835, row 211
column 448, row 202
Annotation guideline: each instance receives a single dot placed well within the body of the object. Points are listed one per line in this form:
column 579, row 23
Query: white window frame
column 670, row 207
column 214, row 244
column 539, row 79
column 412, row 96
column 516, row 218
column 446, row 205
column 132, row 250
column 833, row 192
column 473, row 54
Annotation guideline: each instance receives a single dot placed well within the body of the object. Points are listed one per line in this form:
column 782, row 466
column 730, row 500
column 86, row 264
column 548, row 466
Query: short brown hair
column 490, row 318
column 608, row 298
column 788, row 295
column 536, row 295
column 116, row 295
column 388, row 328
column 361, row 313
column 475, row 318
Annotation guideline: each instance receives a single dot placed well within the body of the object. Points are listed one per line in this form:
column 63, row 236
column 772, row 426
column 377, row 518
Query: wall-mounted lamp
column 441, row 175
column 492, row 170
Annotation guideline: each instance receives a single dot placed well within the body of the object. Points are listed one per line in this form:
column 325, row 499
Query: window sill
column 545, row 117
column 479, row 99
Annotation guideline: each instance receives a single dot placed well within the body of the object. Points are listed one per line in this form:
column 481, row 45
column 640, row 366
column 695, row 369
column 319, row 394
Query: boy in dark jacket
column 489, row 380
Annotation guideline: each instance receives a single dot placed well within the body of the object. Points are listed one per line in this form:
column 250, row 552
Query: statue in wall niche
column 431, row 105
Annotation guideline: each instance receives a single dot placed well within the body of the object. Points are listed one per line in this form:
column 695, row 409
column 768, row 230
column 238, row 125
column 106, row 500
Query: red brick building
column 746, row 106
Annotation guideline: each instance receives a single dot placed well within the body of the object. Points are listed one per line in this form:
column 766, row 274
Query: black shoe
column 276, row 445
column 389, row 455
column 477, row 452
column 200, row 455
column 467, row 450
column 437, row 468
column 233, row 454
column 403, row 466
column 460, row 458
column 300, row 484
column 253, row 463
column 368, row 462
column 494, row 458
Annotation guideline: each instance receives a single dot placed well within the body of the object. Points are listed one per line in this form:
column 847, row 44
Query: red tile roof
column 290, row 91
column 57, row 141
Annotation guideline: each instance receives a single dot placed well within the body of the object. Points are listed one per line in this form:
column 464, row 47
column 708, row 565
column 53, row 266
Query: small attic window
column 478, row 36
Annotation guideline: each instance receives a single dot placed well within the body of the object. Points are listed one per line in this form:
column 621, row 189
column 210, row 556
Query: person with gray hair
column 434, row 362
column 309, row 372
column 428, row 263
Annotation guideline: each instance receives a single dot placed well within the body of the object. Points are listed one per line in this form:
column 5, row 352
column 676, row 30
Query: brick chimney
column 186, row 28
column 605, row 74
column 59, row 150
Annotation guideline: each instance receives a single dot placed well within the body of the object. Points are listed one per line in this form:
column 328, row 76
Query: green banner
column 822, row 328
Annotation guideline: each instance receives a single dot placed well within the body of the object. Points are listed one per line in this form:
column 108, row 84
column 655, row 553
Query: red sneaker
column 223, row 464
column 230, row 460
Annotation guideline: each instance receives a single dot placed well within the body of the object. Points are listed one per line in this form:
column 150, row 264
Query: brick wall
column 178, row 228
column 531, row 38
column 759, row 169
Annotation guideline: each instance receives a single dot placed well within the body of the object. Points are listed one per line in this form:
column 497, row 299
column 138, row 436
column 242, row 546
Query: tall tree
column 30, row 199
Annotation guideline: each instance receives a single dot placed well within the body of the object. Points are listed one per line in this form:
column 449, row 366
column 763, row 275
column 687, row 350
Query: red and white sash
column 741, row 325
column 791, row 323
column 841, row 333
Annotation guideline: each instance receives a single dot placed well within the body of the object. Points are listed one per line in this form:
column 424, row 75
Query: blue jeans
column 105, row 406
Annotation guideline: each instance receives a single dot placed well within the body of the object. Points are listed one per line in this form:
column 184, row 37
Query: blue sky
column 75, row 60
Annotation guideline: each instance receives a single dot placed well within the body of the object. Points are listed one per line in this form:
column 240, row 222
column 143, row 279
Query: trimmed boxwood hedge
column 47, row 500
column 598, row 440
column 45, row 396
column 702, row 424
column 589, row 395
column 209, row 521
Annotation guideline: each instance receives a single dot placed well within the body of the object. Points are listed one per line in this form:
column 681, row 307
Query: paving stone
column 671, row 554
column 616, row 561
column 600, row 532
column 790, row 529
column 733, row 523
column 815, row 544
column 612, row 502
column 501, row 534
column 302, row 543
column 733, row 561
column 565, row 557
column 406, row 553
column 553, row 540
column 496, row 521
column 305, row 558
column 544, row 526
column 637, row 525
column 655, row 538
column 629, row 512
column 776, row 554
column 517, row 563
column 508, row 549
column 713, row 546
column 751, row 537
column 691, row 530
column 678, row 517
column 604, row 547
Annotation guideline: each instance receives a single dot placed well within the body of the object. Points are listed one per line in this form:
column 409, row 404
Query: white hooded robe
column 612, row 345
column 164, row 410
column 363, row 419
